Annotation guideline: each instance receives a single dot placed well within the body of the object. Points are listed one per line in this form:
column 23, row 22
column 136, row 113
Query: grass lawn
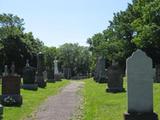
column 99, row 105
column 31, row 100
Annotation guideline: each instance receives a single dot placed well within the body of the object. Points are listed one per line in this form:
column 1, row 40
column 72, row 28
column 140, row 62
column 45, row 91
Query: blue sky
column 56, row 22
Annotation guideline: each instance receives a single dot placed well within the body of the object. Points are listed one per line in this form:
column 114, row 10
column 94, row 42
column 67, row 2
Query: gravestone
column 67, row 73
column 140, row 87
column 11, row 88
column 100, row 72
column 50, row 75
column 29, row 81
column 96, row 70
column 45, row 75
column 157, row 77
column 40, row 69
column 115, row 78
column 57, row 76
column 1, row 112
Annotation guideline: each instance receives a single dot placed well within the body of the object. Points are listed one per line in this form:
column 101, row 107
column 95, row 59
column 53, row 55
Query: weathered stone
column 140, row 87
column 100, row 72
column 115, row 79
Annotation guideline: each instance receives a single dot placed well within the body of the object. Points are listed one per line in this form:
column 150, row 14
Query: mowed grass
column 100, row 105
column 31, row 100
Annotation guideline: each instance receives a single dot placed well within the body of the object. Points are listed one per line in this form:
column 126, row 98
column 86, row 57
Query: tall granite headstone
column 50, row 75
column 40, row 69
column 140, row 87
column 57, row 76
column 29, row 81
column 115, row 78
column 11, row 88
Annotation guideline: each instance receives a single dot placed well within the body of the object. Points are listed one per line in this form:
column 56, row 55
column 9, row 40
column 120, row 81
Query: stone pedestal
column 11, row 100
column 11, row 91
column 57, row 77
column 140, row 116
column 30, row 86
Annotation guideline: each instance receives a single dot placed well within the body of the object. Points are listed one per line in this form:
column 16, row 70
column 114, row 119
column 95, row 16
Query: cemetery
column 112, row 74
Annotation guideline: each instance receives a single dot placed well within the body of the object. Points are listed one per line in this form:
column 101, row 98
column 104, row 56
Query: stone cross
column 56, row 67
column 140, row 83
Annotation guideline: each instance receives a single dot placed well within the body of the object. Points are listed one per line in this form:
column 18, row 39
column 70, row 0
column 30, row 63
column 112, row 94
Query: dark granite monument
column 50, row 74
column 40, row 69
column 11, row 88
column 29, row 81
column 67, row 73
column 115, row 78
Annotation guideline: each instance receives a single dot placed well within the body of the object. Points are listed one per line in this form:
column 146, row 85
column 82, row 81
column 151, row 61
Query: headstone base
column 57, row 77
column 51, row 80
column 41, row 82
column 115, row 90
column 30, row 86
column 140, row 116
column 11, row 100
column 102, row 80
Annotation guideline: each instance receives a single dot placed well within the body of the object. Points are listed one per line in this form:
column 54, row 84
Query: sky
column 56, row 22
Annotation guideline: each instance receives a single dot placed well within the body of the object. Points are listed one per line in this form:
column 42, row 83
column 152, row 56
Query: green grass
column 31, row 100
column 100, row 105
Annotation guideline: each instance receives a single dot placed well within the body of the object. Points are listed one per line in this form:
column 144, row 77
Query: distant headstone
column 45, row 75
column 115, row 78
column 40, row 69
column 140, row 87
column 157, row 73
column 50, row 75
column 11, row 89
column 1, row 112
column 57, row 76
column 67, row 73
column 29, row 81
column 100, row 72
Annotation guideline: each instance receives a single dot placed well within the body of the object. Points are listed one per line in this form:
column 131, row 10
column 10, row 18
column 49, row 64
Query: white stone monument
column 140, row 87
column 57, row 76
column 56, row 67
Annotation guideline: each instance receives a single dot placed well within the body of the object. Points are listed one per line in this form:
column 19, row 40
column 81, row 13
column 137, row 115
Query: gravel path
column 61, row 106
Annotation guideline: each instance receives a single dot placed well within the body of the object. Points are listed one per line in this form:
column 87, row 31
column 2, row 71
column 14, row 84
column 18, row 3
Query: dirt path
column 61, row 106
